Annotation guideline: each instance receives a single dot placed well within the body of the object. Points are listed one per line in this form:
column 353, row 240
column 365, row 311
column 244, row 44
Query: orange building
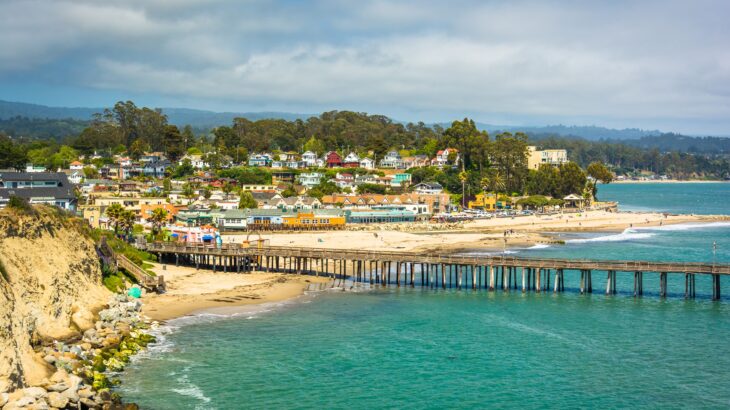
column 172, row 210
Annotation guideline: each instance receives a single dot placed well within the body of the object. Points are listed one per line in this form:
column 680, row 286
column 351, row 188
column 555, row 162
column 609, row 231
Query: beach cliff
column 50, row 289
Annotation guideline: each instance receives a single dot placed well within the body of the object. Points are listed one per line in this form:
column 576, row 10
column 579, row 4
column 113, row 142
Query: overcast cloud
column 649, row 64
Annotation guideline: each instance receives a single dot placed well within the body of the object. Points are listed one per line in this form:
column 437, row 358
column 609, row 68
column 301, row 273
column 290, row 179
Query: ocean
column 416, row 348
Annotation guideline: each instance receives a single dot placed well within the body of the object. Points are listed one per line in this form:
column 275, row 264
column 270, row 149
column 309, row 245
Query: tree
column 463, row 176
column 289, row 192
column 189, row 192
column 495, row 182
column 473, row 145
column 247, row 201
column 572, row 179
column 371, row 189
column 126, row 221
column 509, row 155
column 533, row 202
column 188, row 138
column 315, row 145
column 166, row 186
column 114, row 213
column 599, row 172
column 11, row 155
column 227, row 188
column 90, row 173
column 184, row 169
column 543, row 181
column 158, row 217
column 138, row 148
column 173, row 142
column 206, row 193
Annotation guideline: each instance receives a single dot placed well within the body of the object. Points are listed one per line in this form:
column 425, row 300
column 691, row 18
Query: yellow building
column 486, row 202
column 95, row 215
column 554, row 157
column 310, row 220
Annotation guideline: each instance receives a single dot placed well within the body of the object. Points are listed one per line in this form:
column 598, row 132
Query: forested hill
column 10, row 109
column 42, row 128
column 592, row 133
column 683, row 143
column 201, row 120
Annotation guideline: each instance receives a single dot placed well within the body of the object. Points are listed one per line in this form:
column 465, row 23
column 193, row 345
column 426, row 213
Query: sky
column 621, row 64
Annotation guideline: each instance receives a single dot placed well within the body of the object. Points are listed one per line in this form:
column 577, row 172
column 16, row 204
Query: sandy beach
column 485, row 233
column 191, row 291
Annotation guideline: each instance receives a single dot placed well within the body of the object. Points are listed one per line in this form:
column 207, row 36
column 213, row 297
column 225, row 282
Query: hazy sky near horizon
column 649, row 64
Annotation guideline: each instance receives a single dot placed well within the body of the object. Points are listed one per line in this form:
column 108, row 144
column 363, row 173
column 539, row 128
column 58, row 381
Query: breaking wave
column 627, row 235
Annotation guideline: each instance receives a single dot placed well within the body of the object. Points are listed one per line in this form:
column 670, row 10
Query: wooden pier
column 434, row 270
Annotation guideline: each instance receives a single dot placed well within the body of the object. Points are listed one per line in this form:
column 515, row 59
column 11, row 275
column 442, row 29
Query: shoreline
column 671, row 181
column 192, row 291
column 495, row 233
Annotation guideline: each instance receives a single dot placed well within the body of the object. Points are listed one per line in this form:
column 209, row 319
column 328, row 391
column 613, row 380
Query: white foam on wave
column 687, row 226
column 539, row 246
column 627, row 235
column 190, row 389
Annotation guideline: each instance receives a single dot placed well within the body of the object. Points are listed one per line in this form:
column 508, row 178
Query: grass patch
column 119, row 246
column 115, row 281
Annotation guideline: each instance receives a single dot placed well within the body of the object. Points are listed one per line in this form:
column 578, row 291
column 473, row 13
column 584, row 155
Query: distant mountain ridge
column 179, row 116
column 205, row 120
column 590, row 132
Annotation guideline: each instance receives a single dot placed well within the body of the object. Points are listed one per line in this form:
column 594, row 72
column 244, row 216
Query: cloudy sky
column 649, row 64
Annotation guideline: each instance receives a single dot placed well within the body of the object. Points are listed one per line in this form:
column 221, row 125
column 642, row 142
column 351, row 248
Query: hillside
column 200, row 119
column 50, row 289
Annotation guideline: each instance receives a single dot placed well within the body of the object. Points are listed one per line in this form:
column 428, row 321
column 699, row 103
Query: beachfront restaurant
column 379, row 216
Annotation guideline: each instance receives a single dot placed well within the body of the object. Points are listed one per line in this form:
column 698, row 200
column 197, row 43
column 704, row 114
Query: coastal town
column 289, row 192
column 364, row 205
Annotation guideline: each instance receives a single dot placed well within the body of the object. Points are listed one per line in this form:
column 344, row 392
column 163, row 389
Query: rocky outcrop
column 81, row 369
column 50, row 289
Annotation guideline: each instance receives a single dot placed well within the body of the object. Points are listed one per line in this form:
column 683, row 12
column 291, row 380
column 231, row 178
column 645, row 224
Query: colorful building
column 554, row 157
column 485, row 202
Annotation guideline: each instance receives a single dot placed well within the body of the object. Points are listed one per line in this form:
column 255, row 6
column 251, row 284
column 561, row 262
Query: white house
column 367, row 163
column 309, row 158
column 391, row 160
column 310, row 179
column 442, row 157
column 76, row 166
column 344, row 181
column 428, row 188
column 196, row 161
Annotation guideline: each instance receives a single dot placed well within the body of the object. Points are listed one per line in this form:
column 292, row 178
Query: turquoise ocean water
column 415, row 348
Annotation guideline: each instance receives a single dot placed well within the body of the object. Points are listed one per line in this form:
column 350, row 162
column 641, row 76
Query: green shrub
column 20, row 205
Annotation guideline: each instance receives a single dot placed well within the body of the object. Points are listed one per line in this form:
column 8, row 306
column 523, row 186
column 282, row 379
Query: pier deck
column 475, row 271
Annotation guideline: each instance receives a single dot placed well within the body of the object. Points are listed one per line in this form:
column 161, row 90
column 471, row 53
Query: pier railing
column 235, row 250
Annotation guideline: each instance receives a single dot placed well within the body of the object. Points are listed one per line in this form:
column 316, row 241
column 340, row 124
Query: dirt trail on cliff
column 50, row 289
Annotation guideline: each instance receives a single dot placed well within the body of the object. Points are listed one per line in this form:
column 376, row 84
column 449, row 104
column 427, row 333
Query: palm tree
column 126, row 221
column 497, row 182
column 462, row 177
column 158, row 217
column 188, row 192
column 485, row 183
column 114, row 212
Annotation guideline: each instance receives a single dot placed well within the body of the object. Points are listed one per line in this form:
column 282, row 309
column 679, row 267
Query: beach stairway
column 119, row 261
